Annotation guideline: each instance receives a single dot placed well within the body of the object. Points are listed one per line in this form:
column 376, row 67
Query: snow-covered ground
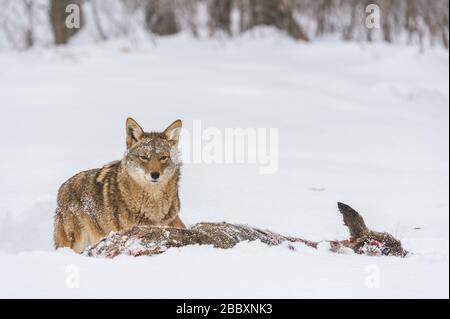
column 363, row 124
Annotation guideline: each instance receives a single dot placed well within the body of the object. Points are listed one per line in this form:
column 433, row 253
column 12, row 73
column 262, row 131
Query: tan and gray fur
column 140, row 189
column 148, row 240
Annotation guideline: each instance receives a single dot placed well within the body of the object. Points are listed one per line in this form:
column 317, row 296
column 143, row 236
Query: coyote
column 140, row 189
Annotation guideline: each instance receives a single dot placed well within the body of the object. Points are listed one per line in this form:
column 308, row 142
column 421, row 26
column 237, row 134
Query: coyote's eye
column 164, row 158
column 143, row 158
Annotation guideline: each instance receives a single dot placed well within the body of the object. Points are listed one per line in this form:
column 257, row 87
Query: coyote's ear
column 134, row 132
column 172, row 133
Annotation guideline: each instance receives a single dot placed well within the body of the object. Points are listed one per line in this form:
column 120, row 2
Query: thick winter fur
column 140, row 189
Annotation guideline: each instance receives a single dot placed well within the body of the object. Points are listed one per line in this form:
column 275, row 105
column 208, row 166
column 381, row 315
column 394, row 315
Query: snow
column 358, row 123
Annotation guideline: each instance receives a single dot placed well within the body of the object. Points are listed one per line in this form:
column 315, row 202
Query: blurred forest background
column 29, row 23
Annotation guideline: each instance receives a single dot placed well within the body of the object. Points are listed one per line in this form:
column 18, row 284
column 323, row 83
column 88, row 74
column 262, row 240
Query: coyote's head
column 152, row 158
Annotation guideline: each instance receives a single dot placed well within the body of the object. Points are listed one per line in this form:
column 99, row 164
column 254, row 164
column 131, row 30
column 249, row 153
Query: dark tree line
column 414, row 21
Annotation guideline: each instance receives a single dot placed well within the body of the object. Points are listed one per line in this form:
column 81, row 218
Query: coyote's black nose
column 154, row 175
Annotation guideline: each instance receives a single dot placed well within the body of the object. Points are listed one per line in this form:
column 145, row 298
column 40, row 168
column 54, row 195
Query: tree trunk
column 272, row 13
column 219, row 16
column 160, row 17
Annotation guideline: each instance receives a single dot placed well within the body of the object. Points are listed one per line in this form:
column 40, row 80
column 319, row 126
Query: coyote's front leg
column 172, row 218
